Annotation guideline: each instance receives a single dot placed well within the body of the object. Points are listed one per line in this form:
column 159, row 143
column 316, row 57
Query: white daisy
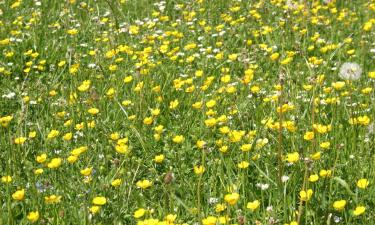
column 350, row 71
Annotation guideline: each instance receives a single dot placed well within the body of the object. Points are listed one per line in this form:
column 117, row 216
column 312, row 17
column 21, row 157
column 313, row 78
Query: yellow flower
column 54, row 163
column 339, row 205
column 313, row 178
column 72, row 158
column 253, row 205
column 325, row 173
column 33, row 216
column 359, row 210
column 325, row 144
column 94, row 209
column 178, row 139
column 133, row 29
column 308, row 136
column 367, row 26
column 199, row 170
column 19, row 195
column 155, row 112
column 159, row 158
column 243, row 165
column 197, row 105
column 68, row 136
column 19, row 140
column 32, row 134
column 210, row 122
column 86, row 171
column 210, row 103
column 111, row 92
column 232, row 198
column 274, row 56
column 338, row 85
column 53, row 134
column 4, row 121
column 84, row 86
column 139, row 213
column 93, row 111
column 99, row 200
column 144, row 184
column 5, row 41
column 305, row 195
column 232, row 57
column 148, row 120
column 128, row 79
column 316, row 156
column 122, row 149
column 116, row 182
column 292, row 157
column 170, row 218
column 41, row 158
column 112, row 67
column 173, row 104
column 78, row 151
column 211, row 220
column 52, row 199
column 362, row 183
column 38, row 171
column 6, row 179
column 220, row 208
column 363, row 120
column 72, row 32
column 246, row 147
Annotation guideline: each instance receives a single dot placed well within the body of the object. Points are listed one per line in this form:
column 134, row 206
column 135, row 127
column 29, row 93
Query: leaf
column 344, row 184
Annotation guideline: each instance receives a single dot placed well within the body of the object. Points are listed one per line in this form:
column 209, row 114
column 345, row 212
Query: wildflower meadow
column 187, row 112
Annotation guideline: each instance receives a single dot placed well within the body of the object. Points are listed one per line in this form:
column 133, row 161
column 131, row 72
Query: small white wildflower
column 10, row 95
column 263, row 186
column 350, row 71
column 284, row 178
column 337, row 219
column 213, row 200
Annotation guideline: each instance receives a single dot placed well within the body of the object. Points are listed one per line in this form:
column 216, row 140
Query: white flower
column 350, row 71
column 213, row 200
column 262, row 186
column 284, row 178
column 10, row 95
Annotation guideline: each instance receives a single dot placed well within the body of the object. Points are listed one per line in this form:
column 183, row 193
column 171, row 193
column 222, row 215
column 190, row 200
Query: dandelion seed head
column 350, row 71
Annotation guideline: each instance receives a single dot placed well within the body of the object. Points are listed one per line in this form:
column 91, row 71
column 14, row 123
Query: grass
column 145, row 112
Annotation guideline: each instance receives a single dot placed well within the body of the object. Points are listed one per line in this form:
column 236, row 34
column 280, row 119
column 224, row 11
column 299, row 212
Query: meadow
column 141, row 112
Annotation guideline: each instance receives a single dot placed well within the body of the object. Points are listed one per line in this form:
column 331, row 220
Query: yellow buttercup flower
column 116, row 182
column 54, row 163
column 210, row 220
column 99, row 200
column 339, row 205
column 52, row 199
column 362, row 183
column 232, row 198
column 199, row 170
column 305, row 195
column 308, row 136
column 359, row 210
column 253, row 205
column 159, row 158
column 292, row 157
column 33, row 216
column 19, row 195
column 144, row 184
column 139, row 213
column 6, row 179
